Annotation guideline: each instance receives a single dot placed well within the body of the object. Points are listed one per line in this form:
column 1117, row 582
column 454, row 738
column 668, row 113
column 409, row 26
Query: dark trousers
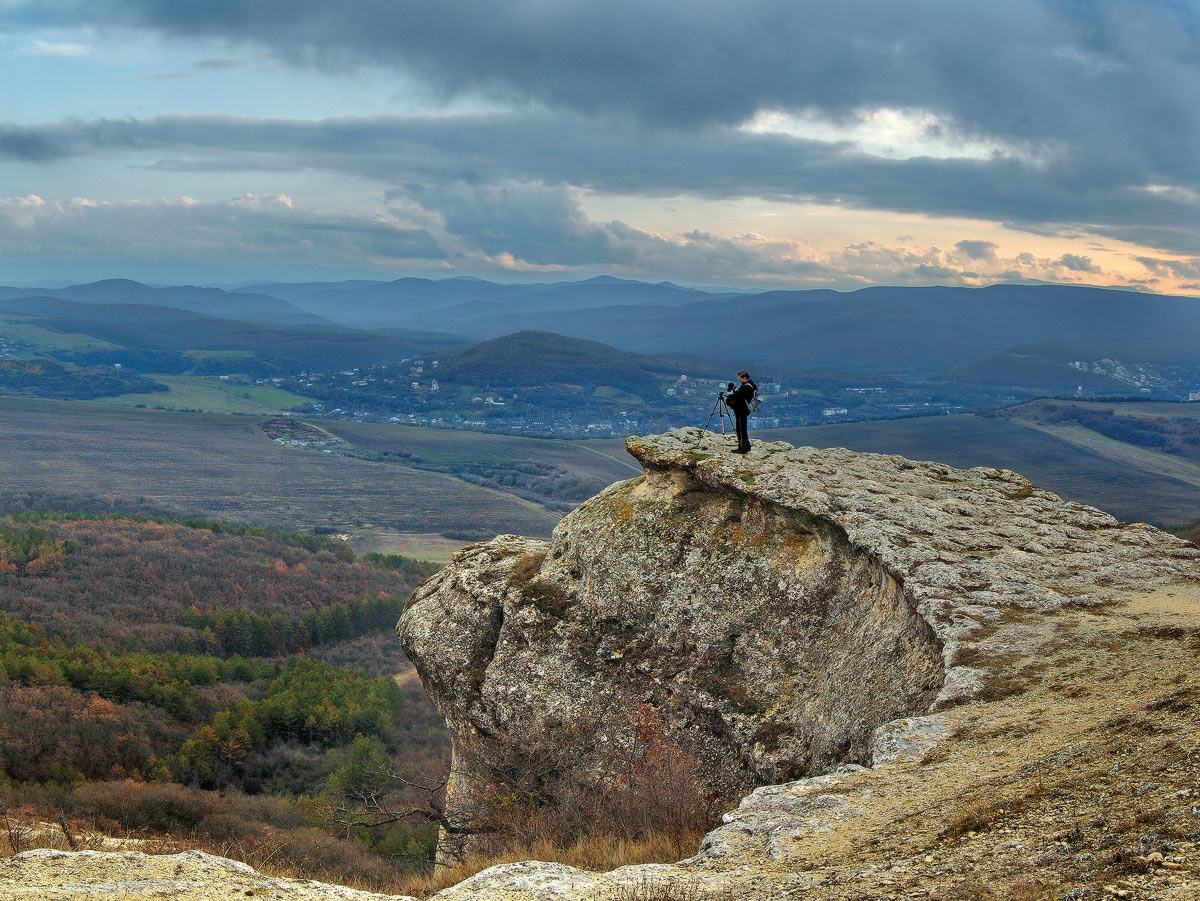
column 743, row 434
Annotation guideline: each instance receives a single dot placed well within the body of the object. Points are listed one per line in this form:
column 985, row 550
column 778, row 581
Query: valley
column 182, row 681
column 423, row 492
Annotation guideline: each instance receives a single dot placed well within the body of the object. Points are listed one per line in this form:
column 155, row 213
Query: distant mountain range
column 457, row 304
column 242, row 306
column 1021, row 339
column 910, row 331
column 275, row 346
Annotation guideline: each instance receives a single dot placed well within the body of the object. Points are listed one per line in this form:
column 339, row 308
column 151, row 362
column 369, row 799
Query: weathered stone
column 776, row 608
column 46, row 875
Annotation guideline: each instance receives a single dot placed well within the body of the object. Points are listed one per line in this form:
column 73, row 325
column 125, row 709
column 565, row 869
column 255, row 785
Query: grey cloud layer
column 440, row 155
column 1091, row 104
column 249, row 228
column 482, row 229
column 1114, row 81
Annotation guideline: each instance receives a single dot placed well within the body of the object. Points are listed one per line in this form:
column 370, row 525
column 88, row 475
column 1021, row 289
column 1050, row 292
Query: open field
column 210, row 395
column 1140, row 409
column 419, row 545
column 1131, row 489
column 22, row 329
column 605, row 460
column 223, row 466
column 1125, row 454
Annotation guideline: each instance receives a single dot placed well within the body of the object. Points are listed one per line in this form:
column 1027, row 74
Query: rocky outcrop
column 785, row 612
column 47, row 875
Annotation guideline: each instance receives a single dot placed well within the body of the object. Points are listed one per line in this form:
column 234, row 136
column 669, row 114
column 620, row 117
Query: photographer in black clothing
column 738, row 401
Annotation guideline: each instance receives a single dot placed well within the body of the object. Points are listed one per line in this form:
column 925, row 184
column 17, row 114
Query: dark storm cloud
column 440, row 155
column 1114, row 81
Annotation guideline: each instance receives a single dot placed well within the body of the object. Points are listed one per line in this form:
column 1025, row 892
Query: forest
column 203, row 682
column 48, row 378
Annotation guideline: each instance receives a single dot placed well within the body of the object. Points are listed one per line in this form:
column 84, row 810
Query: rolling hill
column 242, row 306
column 272, row 348
column 443, row 304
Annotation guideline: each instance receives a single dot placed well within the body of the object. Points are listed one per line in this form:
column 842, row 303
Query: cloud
column 539, row 227
column 1112, row 83
column 1172, row 268
column 1077, row 263
column 56, row 48
column 1059, row 119
column 619, row 157
column 216, row 64
column 485, row 228
column 262, row 228
column 977, row 250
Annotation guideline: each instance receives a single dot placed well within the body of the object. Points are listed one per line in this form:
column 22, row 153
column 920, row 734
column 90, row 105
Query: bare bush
column 647, row 803
column 20, row 827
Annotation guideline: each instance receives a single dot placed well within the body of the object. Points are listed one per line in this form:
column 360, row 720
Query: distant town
column 430, row 391
column 411, row 392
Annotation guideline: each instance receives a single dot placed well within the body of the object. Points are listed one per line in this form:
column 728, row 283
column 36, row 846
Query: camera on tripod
column 721, row 410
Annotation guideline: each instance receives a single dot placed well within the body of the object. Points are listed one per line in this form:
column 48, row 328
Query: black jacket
column 739, row 398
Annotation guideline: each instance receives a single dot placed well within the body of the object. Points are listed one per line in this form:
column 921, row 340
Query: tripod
column 720, row 409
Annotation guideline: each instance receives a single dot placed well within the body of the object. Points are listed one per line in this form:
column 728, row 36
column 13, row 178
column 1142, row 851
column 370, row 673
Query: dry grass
column 527, row 567
column 22, row 831
column 646, row 889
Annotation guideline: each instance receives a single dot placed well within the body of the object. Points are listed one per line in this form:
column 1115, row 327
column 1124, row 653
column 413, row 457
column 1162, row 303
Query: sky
column 756, row 144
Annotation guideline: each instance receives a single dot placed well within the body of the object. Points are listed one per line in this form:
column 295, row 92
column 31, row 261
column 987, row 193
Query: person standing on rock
column 742, row 403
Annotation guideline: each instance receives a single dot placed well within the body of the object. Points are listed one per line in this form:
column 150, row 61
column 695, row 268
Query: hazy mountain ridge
column 278, row 346
column 914, row 330
column 250, row 307
column 439, row 303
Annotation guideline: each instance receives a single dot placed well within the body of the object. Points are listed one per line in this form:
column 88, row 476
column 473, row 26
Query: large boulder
column 776, row 615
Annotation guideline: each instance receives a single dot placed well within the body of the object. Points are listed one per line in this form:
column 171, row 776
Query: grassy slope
column 587, row 458
column 224, row 467
column 1124, row 489
column 23, row 329
column 1144, row 409
column 211, row 395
